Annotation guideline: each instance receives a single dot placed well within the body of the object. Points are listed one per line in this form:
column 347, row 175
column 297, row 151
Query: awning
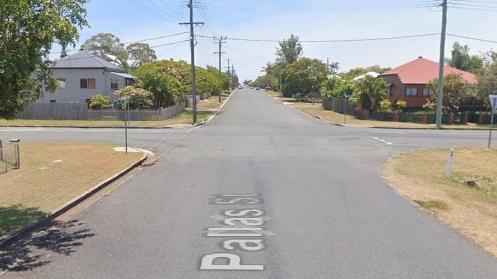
column 124, row 75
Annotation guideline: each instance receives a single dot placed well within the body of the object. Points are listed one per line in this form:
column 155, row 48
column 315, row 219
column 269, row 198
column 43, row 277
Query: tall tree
column 104, row 44
column 290, row 50
column 456, row 90
column 28, row 29
column 304, row 77
column 463, row 60
column 139, row 54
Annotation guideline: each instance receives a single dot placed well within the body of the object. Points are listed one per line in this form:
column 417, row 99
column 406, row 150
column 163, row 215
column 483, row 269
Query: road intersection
column 263, row 191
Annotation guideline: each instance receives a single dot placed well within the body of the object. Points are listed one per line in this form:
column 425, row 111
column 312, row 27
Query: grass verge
column 467, row 201
column 205, row 109
column 318, row 111
column 51, row 175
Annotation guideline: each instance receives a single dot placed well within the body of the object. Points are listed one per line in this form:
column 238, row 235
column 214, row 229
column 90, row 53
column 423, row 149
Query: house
column 410, row 82
column 83, row 75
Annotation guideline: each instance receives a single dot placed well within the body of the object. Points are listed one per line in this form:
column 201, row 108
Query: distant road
column 262, row 191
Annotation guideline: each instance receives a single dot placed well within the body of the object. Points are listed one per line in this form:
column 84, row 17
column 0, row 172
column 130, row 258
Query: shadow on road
column 28, row 252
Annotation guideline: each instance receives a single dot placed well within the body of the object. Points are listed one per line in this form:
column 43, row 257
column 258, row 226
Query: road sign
column 493, row 101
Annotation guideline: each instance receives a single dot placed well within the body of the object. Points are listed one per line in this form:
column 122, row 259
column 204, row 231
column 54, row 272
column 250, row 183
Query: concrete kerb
column 217, row 111
column 5, row 241
column 373, row 127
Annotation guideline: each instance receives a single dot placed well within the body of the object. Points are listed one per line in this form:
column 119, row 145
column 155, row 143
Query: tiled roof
column 85, row 60
column 422, row 71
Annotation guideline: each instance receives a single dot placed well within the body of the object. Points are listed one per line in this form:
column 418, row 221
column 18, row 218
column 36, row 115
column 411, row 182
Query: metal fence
column 9, row 156
column 60, row 111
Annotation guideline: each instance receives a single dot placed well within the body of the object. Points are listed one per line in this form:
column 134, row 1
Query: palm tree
column 369, row 92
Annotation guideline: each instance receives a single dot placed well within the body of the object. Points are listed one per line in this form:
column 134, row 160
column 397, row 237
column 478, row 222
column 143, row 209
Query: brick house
column 410, row 82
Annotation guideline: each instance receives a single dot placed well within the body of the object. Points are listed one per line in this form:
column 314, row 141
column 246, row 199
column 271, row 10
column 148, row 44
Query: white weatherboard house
column 83, row 75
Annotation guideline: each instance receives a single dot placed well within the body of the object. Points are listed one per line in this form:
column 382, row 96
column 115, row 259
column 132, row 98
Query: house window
column 88, row 83
column 129, row 82
column 426, row 92
column 411, row 91
column 61, row 82
column 114, row 85
column 53, row 101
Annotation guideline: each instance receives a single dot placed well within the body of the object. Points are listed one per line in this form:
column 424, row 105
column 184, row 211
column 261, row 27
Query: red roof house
column 410, row 82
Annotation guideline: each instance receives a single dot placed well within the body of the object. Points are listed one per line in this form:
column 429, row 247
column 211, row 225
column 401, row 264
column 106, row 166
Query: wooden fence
column 60, row 111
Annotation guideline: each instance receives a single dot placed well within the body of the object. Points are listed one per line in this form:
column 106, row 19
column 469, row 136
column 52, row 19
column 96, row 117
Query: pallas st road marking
column 242, row 230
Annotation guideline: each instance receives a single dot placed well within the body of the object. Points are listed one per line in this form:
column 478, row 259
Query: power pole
column 233, row 75
column 192, row 47
column 229, row 69
column 441, row 74
column 220, row 52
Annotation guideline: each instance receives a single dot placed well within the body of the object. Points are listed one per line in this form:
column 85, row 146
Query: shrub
column 430, row 106
column 139, row 98
column 386, row 105
column 100, row 101
column 401, row 105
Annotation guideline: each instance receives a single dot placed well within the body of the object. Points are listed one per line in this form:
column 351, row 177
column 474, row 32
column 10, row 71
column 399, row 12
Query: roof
column 368, row 74
column 422, row 71
column 124, row 75
column 85, row 60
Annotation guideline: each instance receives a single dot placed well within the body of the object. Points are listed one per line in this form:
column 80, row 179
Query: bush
column 401, row 105
column 430, row 106
column 139, row 98
column 386, row 105
column 100, row 101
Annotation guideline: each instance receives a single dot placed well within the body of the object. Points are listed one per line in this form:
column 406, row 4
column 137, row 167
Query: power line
column 472, row 38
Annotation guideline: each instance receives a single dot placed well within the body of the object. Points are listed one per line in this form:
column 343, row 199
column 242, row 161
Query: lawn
column 205, row 109
column 51, row 175
column 318, row 111
column 467, row 201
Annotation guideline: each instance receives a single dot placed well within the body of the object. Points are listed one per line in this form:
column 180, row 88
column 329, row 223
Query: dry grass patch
column 211, row 104
column 53, row 174
column 467, row 201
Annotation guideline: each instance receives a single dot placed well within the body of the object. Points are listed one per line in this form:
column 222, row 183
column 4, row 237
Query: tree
column 463, row 60
column 139, row 54
column 456, row 90
column 304, row 77
column 369, row 92
column 28, row 30
column 138, row 98
column 100, row 101
column 487, row 80
column 338, row 87
column 289, row 51
column 104, row 44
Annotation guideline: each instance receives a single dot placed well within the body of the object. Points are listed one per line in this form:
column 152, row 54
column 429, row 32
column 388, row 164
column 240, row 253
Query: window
column 53, row 101
column 129, row 82
column 88, row 83
column 426, row 91
column 61, row 82
column 411, row 91
column 114, row 85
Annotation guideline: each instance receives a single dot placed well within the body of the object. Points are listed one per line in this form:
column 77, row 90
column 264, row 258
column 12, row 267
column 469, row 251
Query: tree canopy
column 289, row 51
column 28, row 30
column 463, row 60
column 304, row 77
column 139, row 54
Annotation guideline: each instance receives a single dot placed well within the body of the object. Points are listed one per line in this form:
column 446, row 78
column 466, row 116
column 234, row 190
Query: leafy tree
column 28, row 30
column 463, row 60
column 401, row 105
column 104, row 44
column 338, row 87
column 100, row 101
column 289, row 51
column 369, row 92
column 139, row 98
column 165, row 79
column 456, row 90
column 487, row 80
column 304, row 77
column 139, row 54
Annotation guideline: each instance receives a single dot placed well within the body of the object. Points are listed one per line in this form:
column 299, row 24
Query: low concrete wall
column 58, row 111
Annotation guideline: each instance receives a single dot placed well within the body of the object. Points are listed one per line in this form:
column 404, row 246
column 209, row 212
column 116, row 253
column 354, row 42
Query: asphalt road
column 262, row 191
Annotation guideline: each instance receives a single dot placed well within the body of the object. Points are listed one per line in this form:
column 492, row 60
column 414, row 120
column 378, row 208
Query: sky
column 133, row 20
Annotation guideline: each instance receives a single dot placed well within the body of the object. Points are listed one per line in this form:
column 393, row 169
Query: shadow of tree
column 29, row 250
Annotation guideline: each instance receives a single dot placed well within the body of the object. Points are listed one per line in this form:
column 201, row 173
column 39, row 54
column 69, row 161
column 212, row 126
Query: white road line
column 382, row 140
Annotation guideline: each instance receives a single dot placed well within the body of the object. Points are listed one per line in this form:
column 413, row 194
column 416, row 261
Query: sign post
column 493, row 103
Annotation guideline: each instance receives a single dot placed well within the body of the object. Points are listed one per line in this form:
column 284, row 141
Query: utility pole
column 441, row 74
column 229, row 69
column 220, row 52
column 192, row 47
column 233, row 75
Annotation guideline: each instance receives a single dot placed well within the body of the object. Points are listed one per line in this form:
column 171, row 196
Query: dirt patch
column 456, row 201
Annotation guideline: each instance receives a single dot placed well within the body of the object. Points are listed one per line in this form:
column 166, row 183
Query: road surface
column 262, row 191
